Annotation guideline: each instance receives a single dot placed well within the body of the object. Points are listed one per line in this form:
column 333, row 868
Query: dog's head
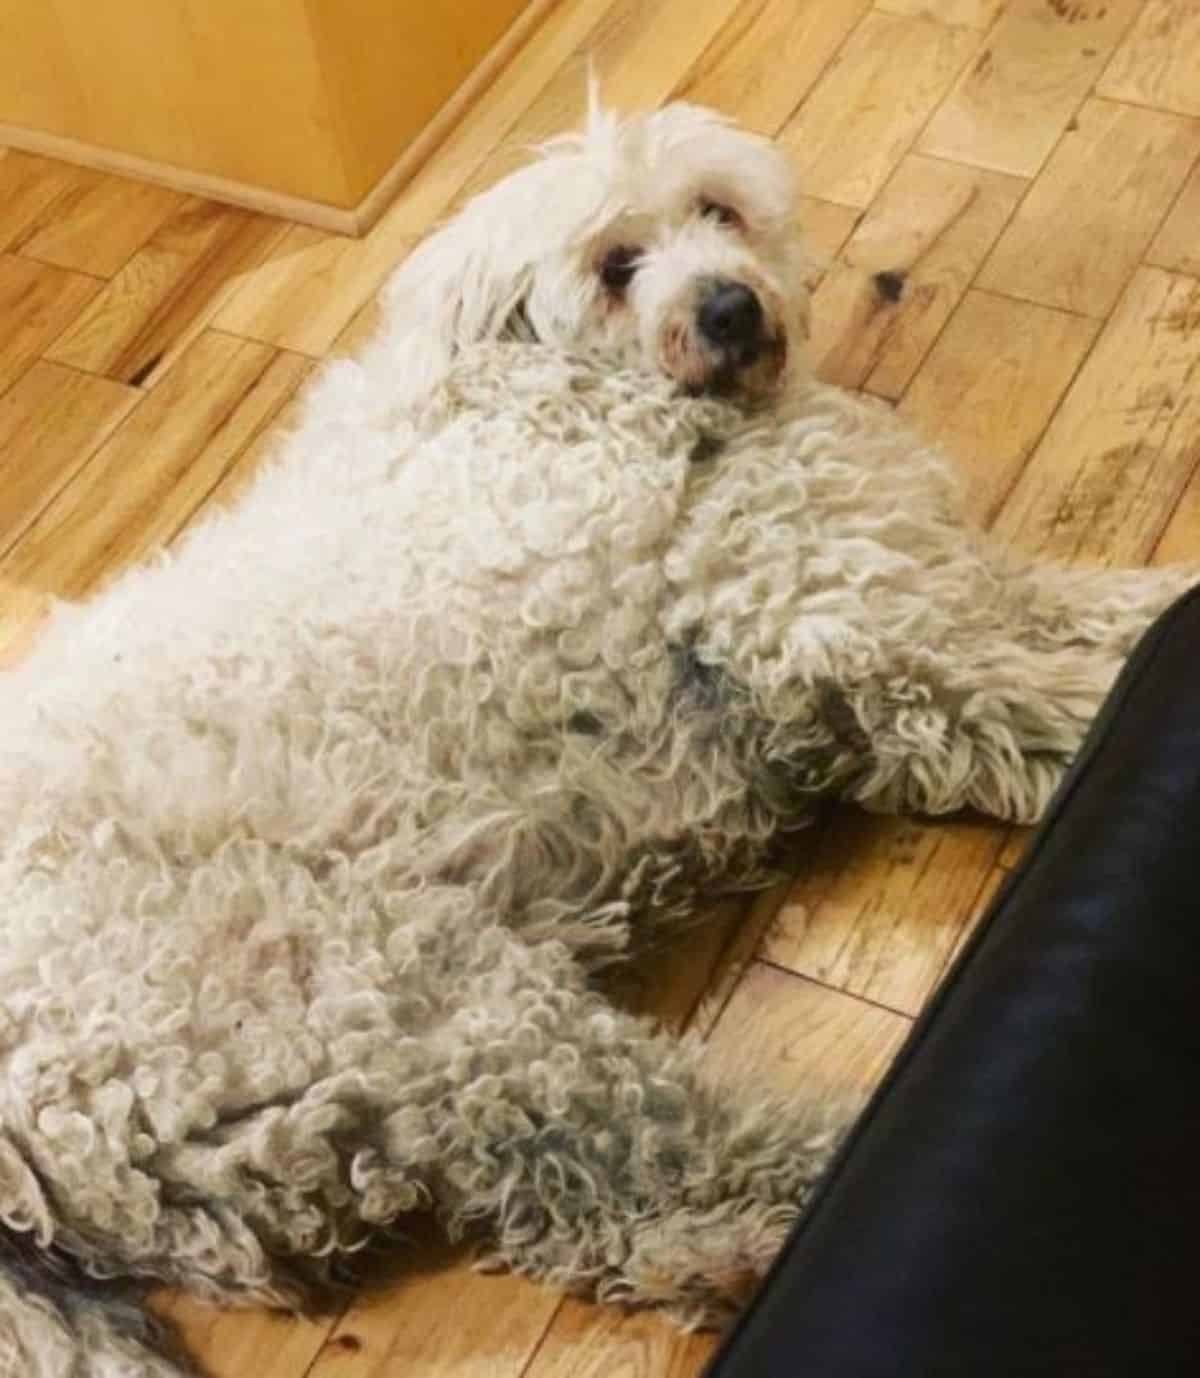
column 668, row 238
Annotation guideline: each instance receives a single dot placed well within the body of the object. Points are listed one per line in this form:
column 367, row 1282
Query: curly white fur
column 312, row 834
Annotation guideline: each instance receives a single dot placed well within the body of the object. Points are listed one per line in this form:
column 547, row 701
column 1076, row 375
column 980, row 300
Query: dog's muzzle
column 731, row 320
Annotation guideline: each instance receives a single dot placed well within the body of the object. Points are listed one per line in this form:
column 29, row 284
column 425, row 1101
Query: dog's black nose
column 731, row 317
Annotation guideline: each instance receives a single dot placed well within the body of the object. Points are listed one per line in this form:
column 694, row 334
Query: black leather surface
column 1022, row 1196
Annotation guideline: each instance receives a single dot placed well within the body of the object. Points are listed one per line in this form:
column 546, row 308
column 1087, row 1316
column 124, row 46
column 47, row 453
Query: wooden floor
column 1031, row 168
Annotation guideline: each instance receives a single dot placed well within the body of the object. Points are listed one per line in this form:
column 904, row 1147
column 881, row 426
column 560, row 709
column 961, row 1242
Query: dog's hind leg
column 594, row 1151
column 989, row 713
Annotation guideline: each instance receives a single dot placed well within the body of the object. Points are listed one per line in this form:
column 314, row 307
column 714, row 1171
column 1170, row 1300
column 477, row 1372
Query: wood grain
column 1118, row 454
column 766, row 58
column 97, row 223
column 825, row 1050
column 602, row 1342
column 871, row 103
column 233, row 1343
column 990, row 386
column 37, row 303
column 640, row 54
column 825, row 227
column 167, row 293
column 51, row 422
column 880, row 905
column 1159, row 63
column 1011, row 105
column 973, row 14
column 440, row 1317
column 1177, row 244
column 1084, row 225
column 929, row 229
column 148, row 478
column 29, row 187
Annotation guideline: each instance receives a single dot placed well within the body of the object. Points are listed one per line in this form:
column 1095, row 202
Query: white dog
column 563, row 601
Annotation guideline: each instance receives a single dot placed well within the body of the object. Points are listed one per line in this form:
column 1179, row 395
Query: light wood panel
column 975, row 14
column 1122, row 446
column 97, row 223
column 826, row 1050
column 602, row 1342
column 440, row 1317
column 29, row 186
column 990, row 386
column 879, row 905
column 871, row 103
column 1159, row 63
column 929, row 230
column 1012, row 104
column 37, row 303
column 234, row 1343
column 146, row 480
column 51, row 422
column 1177, row 245
column 1083, row 227
column 764, row 60
column 167, row 292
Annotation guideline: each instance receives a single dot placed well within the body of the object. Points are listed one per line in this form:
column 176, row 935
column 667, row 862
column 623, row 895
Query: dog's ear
column 460, row 286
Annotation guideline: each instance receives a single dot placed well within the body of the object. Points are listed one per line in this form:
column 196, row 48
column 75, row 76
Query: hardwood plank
column 51, row 422
column 640, row 54
column 825, row 227
column 234, row 481
column 929, row 230
column 442, row 1318
column 972, row 14
column 1089, row 218
column 1159, row 63
column 37, row 303
column 880, row 906
column 142, row 485
column 601, row 1342
column 28, row 187
column 1011, row 106
column 232, row 1343
column 166, row 294
column 864, row 113
column 312, row 284
column 1108, row 472
column 22, row 611
column 745, row 942
column 1177, row 244
column 801, row 1038
column 767, row 57
column 989, row 388
column 98, row 223
column 1179, row 543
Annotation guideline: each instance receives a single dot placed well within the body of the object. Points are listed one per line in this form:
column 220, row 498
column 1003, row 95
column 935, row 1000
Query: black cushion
column 1021, row 1198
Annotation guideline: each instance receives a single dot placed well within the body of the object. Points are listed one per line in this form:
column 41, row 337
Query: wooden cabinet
column 305, row 106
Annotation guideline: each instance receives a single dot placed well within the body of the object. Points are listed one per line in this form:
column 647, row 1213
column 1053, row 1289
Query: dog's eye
column 618, row 266
column 720, row 212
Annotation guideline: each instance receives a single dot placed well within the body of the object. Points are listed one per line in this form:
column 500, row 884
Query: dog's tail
column 57, row 1323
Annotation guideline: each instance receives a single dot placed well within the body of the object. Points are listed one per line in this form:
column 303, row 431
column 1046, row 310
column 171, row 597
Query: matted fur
column 312, row 835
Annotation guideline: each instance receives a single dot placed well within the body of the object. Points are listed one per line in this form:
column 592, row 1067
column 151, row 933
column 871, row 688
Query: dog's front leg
column 989, row 712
